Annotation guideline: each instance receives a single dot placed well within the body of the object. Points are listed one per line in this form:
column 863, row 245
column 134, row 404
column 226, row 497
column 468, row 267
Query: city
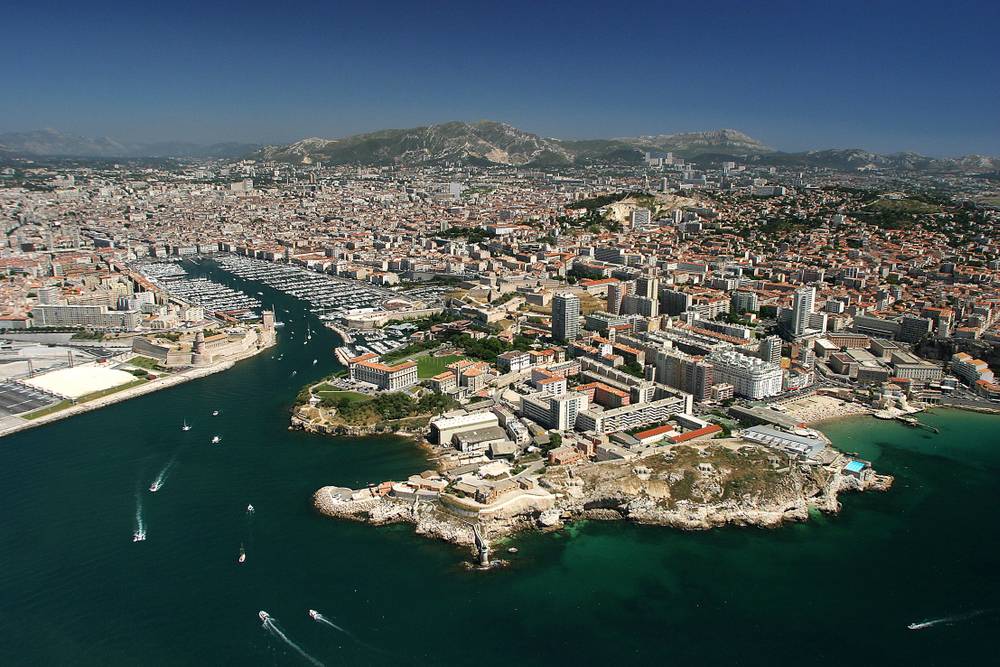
column 527, row 319
column 508, row 335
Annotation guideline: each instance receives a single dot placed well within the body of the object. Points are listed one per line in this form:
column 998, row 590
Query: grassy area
column 111, row 390
column 145, row 362
column 94, row 395
column 905, row 206
column 329, row 391
column 61, row 405
column 428, row 367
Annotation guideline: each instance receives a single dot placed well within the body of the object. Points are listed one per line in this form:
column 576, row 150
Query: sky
column 882, row 75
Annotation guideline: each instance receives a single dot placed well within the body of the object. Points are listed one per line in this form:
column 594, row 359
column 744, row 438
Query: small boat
column 243, row 555
column 315, row 361
column 186, row 427
column 249, row 509
column 139, row 536
column 264, row 616
column 154, row 487
column 294, row 373
column 216, row 439
column 313, row 614
column 215, row 413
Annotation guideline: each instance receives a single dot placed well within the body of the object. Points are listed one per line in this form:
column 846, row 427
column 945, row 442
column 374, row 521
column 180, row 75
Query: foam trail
column 320, row 618
column 139, row 525
column 323, row 619
column 946, row 620
column 272, row 627
column 162, row 477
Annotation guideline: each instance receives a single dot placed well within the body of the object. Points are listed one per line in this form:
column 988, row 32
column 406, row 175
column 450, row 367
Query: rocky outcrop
column 689, row 488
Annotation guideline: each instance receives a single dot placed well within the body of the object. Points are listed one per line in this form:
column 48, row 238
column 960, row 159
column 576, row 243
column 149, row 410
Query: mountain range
column 489, row 142
column 53, row 143
column 500, row 143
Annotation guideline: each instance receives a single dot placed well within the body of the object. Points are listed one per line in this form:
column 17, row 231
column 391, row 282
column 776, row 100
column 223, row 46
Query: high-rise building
column 565, row 316
column 647, row 286
column 674, row 302
column 633, row 304
column 617, row 292
column 691, row 374
column 770, row 349
column 641, row 217
column 803, row 302
column 742, row 301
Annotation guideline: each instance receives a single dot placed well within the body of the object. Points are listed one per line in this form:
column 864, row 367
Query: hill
column 53, row 143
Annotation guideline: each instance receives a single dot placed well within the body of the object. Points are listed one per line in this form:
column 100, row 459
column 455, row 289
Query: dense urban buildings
column 582, row 301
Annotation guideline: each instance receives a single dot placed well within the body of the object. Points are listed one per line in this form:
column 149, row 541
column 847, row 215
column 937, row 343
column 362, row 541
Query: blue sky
column 881, row 75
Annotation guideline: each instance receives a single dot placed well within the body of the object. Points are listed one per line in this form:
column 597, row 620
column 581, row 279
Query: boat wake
column 140, row 526
column 161, row 479
column 320, row 618
column 946, row 620
column 271, row 626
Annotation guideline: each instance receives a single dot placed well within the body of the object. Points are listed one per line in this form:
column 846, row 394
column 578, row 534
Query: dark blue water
column 74, row 589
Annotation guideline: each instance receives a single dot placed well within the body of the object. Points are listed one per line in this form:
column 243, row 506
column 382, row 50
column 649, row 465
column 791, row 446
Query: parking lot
column 16, row 399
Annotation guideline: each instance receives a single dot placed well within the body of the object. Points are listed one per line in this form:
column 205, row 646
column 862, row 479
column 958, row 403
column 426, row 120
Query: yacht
column 216, row 439
column 264, row 616
column 313, row 614
column 139, row 536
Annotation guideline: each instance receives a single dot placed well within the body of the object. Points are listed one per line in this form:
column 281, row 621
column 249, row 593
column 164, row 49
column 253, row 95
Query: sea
column 838, row 589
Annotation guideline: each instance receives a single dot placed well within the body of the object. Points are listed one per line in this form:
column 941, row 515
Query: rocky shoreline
column 693, row 488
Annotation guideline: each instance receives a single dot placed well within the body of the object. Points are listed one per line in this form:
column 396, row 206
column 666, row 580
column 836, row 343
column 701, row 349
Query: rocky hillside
column 498, row 143
column 732, row 142
column 485, row 142
column 851, row 159
column 54, row 143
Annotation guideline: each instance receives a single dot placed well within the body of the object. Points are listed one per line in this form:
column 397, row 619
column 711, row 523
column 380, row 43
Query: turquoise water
column 74, row 589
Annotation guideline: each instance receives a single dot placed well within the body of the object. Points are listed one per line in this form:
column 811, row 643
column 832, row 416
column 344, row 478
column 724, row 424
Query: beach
column 816, row 409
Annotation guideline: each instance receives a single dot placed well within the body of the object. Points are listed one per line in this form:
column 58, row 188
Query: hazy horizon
column 897, row 76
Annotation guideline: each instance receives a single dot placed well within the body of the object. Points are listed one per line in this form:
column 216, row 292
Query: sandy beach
column 815, row 409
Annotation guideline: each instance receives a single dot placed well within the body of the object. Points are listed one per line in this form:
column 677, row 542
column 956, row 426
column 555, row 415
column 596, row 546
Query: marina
column 212, row 296
column 332, row 300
